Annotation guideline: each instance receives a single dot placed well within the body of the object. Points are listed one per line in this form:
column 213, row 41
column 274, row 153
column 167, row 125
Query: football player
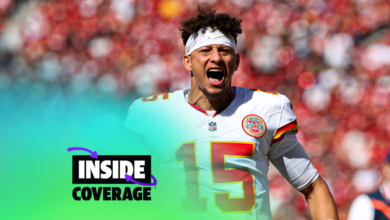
column 221, row 138
column 375, row 205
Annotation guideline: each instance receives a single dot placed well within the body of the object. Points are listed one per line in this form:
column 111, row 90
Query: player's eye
column 225, row 50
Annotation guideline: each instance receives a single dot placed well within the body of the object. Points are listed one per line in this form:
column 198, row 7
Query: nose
column 215, row 57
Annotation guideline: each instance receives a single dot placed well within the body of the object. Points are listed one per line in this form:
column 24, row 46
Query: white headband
column 207, row 36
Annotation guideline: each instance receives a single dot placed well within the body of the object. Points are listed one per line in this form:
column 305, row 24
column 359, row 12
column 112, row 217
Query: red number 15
column 220, row 174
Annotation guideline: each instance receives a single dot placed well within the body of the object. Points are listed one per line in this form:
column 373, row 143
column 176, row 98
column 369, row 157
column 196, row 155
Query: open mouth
column 215, row 76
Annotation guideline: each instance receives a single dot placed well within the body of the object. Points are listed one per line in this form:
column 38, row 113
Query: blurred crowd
column 115, row 47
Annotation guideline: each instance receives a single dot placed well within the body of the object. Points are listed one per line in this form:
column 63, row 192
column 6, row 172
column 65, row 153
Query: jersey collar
column 187, row 91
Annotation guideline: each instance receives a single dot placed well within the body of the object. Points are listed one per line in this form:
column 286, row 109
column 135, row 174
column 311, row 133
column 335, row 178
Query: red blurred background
column 118, row 47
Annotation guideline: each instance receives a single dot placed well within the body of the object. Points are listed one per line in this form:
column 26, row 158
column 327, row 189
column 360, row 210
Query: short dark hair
column 207, row 17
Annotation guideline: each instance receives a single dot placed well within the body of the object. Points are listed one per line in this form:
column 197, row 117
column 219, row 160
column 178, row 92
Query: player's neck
column 198, row 98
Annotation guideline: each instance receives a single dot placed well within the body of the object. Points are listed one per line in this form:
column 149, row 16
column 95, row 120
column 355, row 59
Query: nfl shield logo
column 212, row 126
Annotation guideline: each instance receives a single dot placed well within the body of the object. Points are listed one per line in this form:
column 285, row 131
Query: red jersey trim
column 198, row 108
column 204, row 112
column 382, row 207
column 281, row 132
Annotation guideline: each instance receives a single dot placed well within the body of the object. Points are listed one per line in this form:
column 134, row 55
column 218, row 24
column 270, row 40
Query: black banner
column 109, row 169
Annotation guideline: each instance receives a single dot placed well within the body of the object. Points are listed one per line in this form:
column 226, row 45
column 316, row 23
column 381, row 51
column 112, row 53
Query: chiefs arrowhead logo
column 254, row 126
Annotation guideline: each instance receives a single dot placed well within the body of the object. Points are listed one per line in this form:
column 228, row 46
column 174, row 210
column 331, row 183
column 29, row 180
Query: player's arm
column 135, row 132
column 320, row 200
column 141, row 145
column 297, row 169
column 140, row 142
column 289, row 157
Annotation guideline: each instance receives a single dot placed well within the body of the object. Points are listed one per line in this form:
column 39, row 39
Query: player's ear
column 237, row 57
column 187, row 62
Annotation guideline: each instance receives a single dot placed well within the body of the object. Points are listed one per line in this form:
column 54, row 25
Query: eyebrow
column 223, row 47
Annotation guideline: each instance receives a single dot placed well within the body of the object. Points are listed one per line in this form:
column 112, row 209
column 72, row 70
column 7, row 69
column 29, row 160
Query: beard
column 214, row 95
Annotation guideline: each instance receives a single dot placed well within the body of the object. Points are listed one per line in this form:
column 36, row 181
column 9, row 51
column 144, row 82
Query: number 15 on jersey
column 220, row 174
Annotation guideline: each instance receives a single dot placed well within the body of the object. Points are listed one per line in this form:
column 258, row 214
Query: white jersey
column 225, row 156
